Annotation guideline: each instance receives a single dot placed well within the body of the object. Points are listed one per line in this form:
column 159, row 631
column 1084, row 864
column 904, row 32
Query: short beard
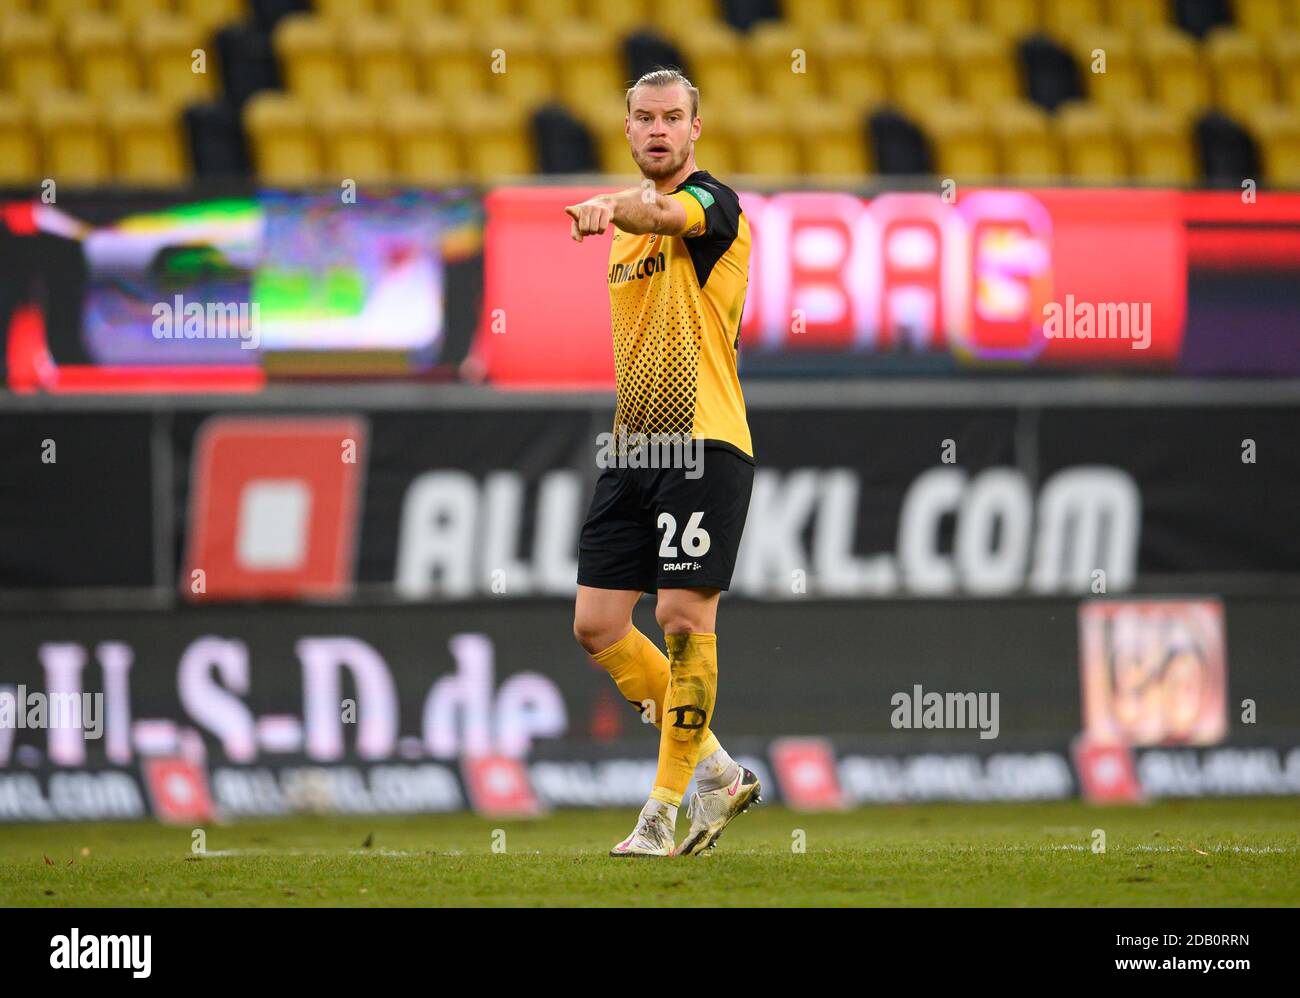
column 652, row 171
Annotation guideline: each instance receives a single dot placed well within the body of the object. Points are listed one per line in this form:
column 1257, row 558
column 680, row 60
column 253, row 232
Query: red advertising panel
column 1002, row 279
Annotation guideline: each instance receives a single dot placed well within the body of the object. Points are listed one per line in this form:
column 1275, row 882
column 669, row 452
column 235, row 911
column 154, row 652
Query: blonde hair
column 666, row 78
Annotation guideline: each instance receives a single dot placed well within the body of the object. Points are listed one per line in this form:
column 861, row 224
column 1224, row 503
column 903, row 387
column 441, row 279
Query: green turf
column 1233, row 852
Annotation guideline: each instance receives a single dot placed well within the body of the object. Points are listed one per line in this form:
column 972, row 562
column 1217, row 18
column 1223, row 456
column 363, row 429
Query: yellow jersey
column 675, row 306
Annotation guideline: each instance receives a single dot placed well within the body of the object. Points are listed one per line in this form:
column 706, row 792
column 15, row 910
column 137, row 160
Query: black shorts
column 659, row 528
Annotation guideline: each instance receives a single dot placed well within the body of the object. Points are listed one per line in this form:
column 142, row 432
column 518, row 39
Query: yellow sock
column 640, row 671
column 688, row 708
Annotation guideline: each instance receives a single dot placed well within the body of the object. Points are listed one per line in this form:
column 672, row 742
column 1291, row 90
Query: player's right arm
column 636, row 210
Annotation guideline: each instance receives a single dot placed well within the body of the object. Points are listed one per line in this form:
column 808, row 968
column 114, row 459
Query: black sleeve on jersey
column 722, row 219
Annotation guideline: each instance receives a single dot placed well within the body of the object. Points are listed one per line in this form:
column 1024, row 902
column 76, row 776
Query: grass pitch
column 1221, row 852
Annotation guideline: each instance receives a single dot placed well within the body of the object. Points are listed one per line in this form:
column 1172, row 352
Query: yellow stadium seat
column 75, row 148
column 1108, row 67
column 1090, row 141
column 478, row 13
column 1029, row 150
column 344, row 12
column 945, row 15
column 64, row 12
column 1137, row 13
column 585, row 61
column 137, row 12
column 786, row 61
column 1276, row 127
column 603, row 114
column 19, row 153
column 676, row 18
column 983, row 65
column 963, row 149
column 713, row 152
column 284, row 146
column 101, row 56
column 716, row 57
column 148, row 147
column 1263, row 18
column 761, row 139
column 212, row 14
column 1012, row 19
column 29, row 57
column 495, row 139
column 832, row 140
column 1284, row 53
column 519, row 69
column 309, row 49
column 1159, row 144
column 814, row 15
column 545, row 13
column 852, row 74
column 165, row 46
column 449, row 62
column 1177, row 77
column 917, row 76
column 1242, row 78
column 1063, row 18
column 381, row 61
column 353, row 140
column 619, row 18
column 876, row 14
column 411, row 12
column 425, row 149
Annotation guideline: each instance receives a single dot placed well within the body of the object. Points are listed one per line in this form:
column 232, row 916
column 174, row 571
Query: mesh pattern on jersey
column 658, row 332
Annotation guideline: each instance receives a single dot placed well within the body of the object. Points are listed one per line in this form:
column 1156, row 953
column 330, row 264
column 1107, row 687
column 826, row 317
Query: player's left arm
column 636, row 210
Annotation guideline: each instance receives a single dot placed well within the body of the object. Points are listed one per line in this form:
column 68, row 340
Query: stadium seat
column 380, row 59
column 1284, row 54
column 353, row 140
column 1199, row 17
column 138, row 12
column 1050, row 73
column 1276, row 128
column 879, row 13
column 1263, row 18
column 310, row 53
column 1137, row 13
column 19, row 152
column 1013, row 19
column 494, row 138
column 1110, row 70
column 165, row 46
column 425, row 149
column 1159, row 144
column 448, row 63
column 620, row 18
column 212, row 14
column 786, row 62
column 345, row 12
column 958, row 133
column 248, row 62
column 1227, row 153
column 519, row 69
column 852, row 75
column 945, row 15
column 284, row 147
column 917, row 76
column 716, row 62
column 1178, row 79
column 814, row 15
column 1242, row 77
column 761, row 139
column 102, row 59
column 1093, row 150
column 831, row 141
column 148, row 148
column 564, row 144
column 29, row 58
column 547, row 13
column 1065, row 19
column 982, row 65
column 584, row 61
column 603, row 114
column 898, row 146
column 412, row 12
column 75, row 148
column 1028, row 148
column 478, row 13
column 217, row 144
